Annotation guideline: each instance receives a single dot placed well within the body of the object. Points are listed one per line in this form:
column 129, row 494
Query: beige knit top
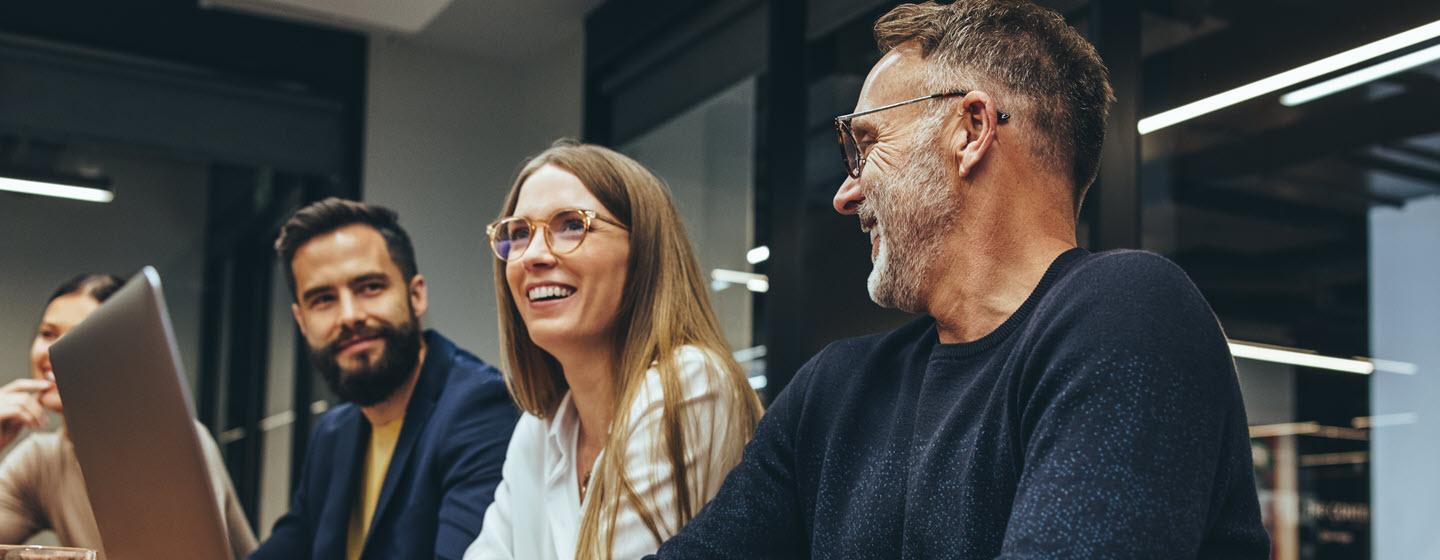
column 41, row 488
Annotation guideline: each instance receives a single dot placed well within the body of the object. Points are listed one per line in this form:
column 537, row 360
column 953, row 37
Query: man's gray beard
column 914, row 209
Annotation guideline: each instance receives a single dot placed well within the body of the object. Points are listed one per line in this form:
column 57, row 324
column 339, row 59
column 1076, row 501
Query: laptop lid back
column 128, row 412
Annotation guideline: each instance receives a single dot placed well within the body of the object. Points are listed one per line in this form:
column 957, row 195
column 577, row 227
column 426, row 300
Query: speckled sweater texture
column 1103, row 419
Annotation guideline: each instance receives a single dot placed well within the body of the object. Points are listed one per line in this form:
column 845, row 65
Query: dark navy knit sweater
column 1102, row 420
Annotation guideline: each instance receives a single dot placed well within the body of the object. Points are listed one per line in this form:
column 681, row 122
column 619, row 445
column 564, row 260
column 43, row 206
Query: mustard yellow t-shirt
column 372, row 480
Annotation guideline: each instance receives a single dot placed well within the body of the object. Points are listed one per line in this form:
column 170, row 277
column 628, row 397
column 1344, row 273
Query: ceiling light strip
column 56, row 190
column 1289, row 78
column 1361, row 77
column 1392, row 366
column 1300, row 358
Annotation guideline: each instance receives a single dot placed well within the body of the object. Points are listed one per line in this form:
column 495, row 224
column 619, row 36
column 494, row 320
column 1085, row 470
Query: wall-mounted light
column 744, row 356
column 1289, row 78
column 721, row 278
column 757, row 255
column 1384, row 420
column 56, row 189
column 752, row 353
column 1307, row 429
column 1362, row 76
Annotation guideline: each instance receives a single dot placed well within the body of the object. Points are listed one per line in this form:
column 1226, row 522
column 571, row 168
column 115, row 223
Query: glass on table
column 32, row 552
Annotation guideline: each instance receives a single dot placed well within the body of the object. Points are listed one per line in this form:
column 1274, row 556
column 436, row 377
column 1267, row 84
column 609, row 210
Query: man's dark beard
column 377, row 381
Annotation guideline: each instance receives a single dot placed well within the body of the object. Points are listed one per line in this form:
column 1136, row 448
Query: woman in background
column 40, row 482
column 634, row 408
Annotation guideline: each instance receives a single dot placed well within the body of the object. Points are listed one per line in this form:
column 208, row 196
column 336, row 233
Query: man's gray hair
column 1037, row 66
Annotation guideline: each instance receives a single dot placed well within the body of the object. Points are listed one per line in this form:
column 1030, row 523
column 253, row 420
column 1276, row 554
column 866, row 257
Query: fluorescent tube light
column 757, row 255
column 72, row 192
column 1287, row 429
column 1307, row 429
column 1299, row 358
column 1385, row 420
column 1392, row 366
column 1362, row 76
column 735, row 276
column 749, row 354
column 1289, row 78
column 1333, row 459
column 753, row 282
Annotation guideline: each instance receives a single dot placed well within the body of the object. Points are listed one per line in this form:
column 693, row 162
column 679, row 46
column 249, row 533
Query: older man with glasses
column 1049, row 402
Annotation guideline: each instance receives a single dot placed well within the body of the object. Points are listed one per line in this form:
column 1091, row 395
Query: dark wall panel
column 74, row 93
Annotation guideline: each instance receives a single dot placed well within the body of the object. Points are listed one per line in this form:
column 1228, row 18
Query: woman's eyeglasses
column 564, row 231
column 850, row 146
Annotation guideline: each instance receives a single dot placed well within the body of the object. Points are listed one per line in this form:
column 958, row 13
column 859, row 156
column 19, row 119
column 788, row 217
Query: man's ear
column 419, row 295
column 971, row 131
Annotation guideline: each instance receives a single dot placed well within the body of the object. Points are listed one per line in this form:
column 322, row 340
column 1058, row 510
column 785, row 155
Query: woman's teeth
column 549, row 292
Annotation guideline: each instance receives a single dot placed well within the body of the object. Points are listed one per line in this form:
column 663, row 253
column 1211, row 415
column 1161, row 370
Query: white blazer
column 537, row 507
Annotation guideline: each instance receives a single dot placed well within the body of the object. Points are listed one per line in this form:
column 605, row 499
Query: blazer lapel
column 399, row 463
column 334, row 523
column 433, row 375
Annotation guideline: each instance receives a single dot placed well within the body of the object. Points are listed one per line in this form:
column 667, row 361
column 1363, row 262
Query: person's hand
column 50, row 398
column 20, row 407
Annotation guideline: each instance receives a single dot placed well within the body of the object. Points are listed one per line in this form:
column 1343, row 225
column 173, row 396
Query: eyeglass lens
column 566, row 230
column 849, row 149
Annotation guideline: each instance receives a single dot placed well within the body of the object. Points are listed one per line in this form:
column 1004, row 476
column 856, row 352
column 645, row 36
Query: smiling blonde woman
column 635, row 411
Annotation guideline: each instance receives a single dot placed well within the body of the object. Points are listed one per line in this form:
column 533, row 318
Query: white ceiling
column 506, row 30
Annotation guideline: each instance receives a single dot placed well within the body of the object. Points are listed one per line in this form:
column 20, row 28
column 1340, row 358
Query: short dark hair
column 334, row 213
column 98, row 286
column 1030, row 52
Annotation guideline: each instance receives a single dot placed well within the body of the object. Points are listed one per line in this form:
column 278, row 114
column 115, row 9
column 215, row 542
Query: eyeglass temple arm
column 845, row 119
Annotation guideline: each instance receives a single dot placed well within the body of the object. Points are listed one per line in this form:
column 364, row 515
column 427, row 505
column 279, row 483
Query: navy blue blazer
column 441, row 478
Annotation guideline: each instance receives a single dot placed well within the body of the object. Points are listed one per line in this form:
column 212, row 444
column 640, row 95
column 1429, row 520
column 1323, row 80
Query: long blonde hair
column 665, row 305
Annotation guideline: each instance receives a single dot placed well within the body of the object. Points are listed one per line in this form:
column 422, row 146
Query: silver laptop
column 128, row 412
